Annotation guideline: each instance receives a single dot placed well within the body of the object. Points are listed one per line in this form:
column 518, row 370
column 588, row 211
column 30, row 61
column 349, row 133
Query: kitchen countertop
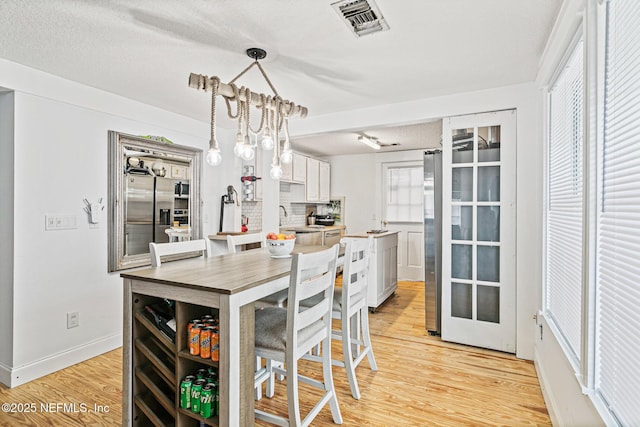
column 375, row 235
column 224, row 234
column 310, row 229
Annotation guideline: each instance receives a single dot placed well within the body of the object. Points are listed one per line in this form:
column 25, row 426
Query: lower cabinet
column 159, row 364
column 383, row 270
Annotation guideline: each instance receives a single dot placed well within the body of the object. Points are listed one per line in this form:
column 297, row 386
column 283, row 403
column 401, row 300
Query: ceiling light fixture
column 371, row 142
column 274, row 119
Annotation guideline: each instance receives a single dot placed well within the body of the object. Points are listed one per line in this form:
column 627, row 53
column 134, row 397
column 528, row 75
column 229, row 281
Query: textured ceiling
column 146, row 49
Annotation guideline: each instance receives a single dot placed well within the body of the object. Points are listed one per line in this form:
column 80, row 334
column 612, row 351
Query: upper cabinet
column 324, row 184
column 318, row 180
column 314, row 174
column 299, row 168
column 313, row 180
column 296, row 171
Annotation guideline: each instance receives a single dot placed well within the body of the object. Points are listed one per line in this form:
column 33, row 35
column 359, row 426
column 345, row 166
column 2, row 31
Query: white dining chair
column 350, row 306
column 286, row 335
column 236, row 240
column 233, row 242
column 159, row 250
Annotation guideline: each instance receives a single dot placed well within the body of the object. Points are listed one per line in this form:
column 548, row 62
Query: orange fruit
column 281, row 236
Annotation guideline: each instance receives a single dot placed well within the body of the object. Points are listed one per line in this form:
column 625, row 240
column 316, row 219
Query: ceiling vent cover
column 361, row 16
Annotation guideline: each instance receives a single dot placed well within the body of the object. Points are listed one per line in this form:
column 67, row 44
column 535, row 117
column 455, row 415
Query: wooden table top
column 225, row 274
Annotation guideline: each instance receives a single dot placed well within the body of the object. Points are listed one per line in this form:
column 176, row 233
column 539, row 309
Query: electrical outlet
column 73, row 320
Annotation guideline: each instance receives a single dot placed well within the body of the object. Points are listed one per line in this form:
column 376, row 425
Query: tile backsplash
column 296, row 212
column 253, row 210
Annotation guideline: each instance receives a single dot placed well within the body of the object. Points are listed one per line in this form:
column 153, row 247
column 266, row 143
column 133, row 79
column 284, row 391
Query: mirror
column 154, row 196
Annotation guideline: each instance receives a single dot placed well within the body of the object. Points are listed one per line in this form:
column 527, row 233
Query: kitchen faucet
column 285, row 213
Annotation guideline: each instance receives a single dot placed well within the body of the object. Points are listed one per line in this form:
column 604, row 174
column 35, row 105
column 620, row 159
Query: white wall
column 354, row 178
column 60, row 148
column 566, row 402
column 6, row 231
column 360, row 199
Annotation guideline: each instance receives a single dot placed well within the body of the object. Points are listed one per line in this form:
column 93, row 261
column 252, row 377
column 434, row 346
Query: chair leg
column 328, row 380
column 258, row 390
column 271, row 381
column 348, row 357
column 367, row 339
column 292, row 393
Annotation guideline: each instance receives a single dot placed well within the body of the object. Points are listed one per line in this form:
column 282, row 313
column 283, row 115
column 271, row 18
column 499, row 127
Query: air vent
column 361, row 16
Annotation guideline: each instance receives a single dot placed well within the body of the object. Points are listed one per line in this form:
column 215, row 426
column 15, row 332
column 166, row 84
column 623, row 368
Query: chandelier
column 274, row 117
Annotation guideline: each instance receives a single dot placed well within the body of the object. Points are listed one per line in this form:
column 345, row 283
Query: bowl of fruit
column 280, row 245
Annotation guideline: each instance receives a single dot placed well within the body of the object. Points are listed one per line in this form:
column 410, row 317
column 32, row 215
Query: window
column 404, row 193
column 565, row 203
column 617, row 359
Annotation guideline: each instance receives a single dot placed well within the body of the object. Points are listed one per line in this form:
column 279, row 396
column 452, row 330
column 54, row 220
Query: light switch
column 61, row 222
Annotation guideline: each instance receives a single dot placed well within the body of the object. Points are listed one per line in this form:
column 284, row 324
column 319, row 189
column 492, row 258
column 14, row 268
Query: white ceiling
column 145, row 50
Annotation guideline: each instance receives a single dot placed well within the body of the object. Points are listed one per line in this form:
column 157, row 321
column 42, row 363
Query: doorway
column 403, row 212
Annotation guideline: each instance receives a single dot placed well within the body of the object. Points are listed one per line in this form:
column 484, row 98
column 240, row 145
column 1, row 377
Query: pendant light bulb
column 276, row 172
column 286, row 157
column 238, row 149
column 247, row 153
column 214, row 158
column 267, row 140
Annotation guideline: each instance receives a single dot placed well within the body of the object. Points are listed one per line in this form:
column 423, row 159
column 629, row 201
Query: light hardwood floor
column 421, row 381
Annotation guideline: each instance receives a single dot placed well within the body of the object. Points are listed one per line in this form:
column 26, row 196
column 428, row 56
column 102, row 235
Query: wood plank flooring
column 421, row 381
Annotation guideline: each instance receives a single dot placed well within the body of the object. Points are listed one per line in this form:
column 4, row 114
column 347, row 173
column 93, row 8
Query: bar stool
column 286, row 335
column 350, row 306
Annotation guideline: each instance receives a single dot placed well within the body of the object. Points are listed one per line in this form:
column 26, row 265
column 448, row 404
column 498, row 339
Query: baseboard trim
column 547, row 392
column 23, row 374
column 5, row 374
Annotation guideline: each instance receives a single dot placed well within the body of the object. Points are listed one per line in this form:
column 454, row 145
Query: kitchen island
column 383, row 266
column 154, row 365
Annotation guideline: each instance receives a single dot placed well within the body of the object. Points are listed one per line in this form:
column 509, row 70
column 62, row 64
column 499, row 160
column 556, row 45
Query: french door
column 479, row 230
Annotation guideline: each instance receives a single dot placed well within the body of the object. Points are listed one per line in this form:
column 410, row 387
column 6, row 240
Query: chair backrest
column 311, row 274
column 355, row 276
column 158, row 250
column 233, row 241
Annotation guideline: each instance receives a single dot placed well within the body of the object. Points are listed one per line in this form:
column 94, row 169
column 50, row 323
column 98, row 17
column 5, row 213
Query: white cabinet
column 383, row 269
column 287, row 172
column 296, row 171
column 324, row 184
column 299, row 173
column 313, row 179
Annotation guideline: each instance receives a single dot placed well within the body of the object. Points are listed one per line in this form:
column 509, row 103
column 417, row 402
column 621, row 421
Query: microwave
column 182, row 189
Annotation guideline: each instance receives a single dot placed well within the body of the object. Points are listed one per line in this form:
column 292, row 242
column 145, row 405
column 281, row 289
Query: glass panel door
column 479, row 242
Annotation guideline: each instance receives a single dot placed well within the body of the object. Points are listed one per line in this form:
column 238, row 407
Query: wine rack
column 159, row 364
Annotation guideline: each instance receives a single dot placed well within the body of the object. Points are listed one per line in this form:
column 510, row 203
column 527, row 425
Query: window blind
column 564, row 203
column 618, row 249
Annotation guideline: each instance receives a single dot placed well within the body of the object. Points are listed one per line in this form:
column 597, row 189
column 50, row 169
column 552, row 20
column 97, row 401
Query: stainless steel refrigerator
column 148, row 212
column 433, row 240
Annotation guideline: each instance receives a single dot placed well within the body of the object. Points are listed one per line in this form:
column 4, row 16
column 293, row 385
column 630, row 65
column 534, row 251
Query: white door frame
column 411, row 234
